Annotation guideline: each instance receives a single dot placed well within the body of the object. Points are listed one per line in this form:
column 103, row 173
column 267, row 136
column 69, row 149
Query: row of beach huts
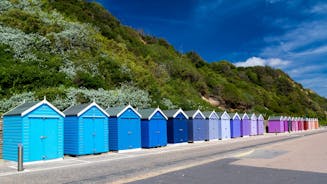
column 47, row 133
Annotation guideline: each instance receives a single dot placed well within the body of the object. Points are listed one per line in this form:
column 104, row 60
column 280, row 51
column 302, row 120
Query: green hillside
column 76, row 51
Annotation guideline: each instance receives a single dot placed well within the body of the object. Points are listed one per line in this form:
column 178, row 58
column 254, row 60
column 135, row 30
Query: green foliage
column 76, row 51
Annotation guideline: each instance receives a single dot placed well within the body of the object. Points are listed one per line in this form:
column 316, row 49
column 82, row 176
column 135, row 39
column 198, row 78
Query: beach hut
column 306, row 124
column 153, row 127
column 260, row 124
column 285, row 122
column 294, row 124
column 317, row 123
column 177, row 128
column 289, row 123
column 313, row 123
column 309, row 123
column 38, row 126
column 1, row 142
column 85, row 129
column 275, row 124
column 198, row 126
column 124, row 128
column 224, row 125
column 254, row 128
column 301, row 124
column 213, row 121
column 245, row 125
column 235, row 125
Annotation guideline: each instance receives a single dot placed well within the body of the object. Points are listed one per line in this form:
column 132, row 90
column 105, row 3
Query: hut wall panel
column 154, row 131
column 99, row 124
column 213, row 127
column 125, row 131
column 225, row 129
column 12, row 136
column 113, row 133
column 1, row 140
column 245, row 127
column 48, row 115
column 235, row 127
column 145, row 134
column 180, row 129
column 72, row 135
column 260, row 126
column 254, row 128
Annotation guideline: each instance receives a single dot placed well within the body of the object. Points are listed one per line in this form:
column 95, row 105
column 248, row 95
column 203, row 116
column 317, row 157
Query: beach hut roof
column 149, row 113
column 78, row 110
column 244, row 115
column 193, row 113
column 260, row 117
column 208, row 114
column 220, row 114
column 234, row 115
column 173, row 113
column 117, row 111
column 28, row 107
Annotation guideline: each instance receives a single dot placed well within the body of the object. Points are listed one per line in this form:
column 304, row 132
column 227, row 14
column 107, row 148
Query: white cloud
column 301, row 41
column 319, row 9
column 316, row 83
column 257, row 61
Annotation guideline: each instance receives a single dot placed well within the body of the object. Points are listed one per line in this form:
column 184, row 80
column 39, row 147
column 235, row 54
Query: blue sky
column 290, row 35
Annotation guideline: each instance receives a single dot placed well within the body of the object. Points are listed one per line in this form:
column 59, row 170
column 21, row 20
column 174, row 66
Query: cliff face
column 76, row 51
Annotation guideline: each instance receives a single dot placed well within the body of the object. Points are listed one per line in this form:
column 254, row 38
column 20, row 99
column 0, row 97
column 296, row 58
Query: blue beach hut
column 86, row 129
column 153, row 128
column 124, row 128
column 38, row 126
column 177, row 129
column 224, row 125
column 213, row 121
column 198, row 126
column 235, row 125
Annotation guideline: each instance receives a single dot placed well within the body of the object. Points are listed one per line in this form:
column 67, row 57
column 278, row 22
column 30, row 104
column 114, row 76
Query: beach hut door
column 43, row 138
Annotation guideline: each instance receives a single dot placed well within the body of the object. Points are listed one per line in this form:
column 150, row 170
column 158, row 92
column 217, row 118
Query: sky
column 289, row 35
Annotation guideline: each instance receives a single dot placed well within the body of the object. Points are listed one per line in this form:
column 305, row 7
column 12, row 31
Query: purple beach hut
column 245, row 125
column 275, row 124
column 260, row 125
column 253, row 122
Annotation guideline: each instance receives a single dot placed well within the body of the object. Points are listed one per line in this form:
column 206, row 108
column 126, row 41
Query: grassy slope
column 110, row 54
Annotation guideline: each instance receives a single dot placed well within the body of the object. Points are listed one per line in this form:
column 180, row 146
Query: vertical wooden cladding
column 245, row 125
column 254, row 124
column 198, row 127
column 153, row 128
column 235, row 125
column 275, row 124
column 294, row 122
column 1, row 141
column 260, row 124
column 38, row 126
column 124, row 128
column 86, row 130
column 213, row 122
column 177, row 128
column 224, row 125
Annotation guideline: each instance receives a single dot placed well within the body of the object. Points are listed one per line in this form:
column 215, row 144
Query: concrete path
column 147, row 163
column 301, row 160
